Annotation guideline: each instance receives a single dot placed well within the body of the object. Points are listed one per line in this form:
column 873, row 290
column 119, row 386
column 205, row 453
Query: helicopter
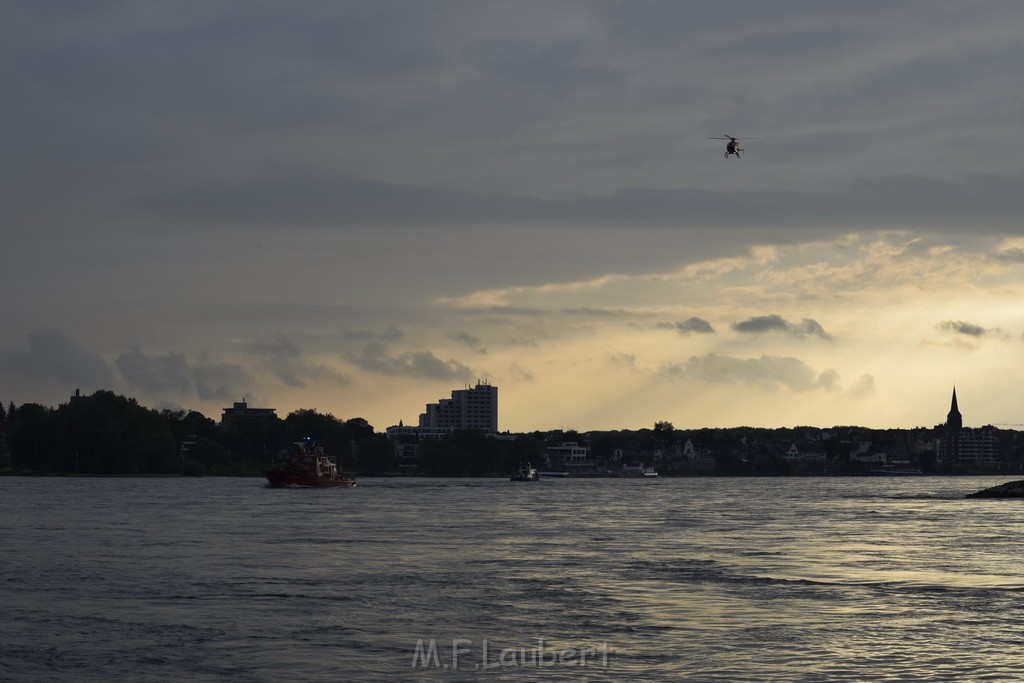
column 733, row 147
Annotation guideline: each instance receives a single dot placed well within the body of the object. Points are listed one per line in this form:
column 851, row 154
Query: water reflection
column 688, row 579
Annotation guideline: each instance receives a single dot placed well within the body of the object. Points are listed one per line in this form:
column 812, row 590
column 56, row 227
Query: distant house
column 795, row 454
column 405, row 456
column 698, row 460
column 571, row 456
column 865, row 451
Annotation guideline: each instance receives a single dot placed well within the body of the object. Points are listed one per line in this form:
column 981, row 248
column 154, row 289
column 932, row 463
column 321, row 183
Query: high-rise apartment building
column 475, row 408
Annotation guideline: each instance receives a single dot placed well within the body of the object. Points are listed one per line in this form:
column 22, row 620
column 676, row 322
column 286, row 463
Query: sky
column 358, row 207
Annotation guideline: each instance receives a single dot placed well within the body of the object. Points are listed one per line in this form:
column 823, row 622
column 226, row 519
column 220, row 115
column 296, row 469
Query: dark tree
column 375, row 456
column 361, row 429
column 480, row 450
column 30, row 436
column 109, row 434
column 333, row 435
column 208, row 453
column 255, row 440
column 428, row 456
column 190, row 425
column 464, row 452
column 454, row 460
column 197, row 424
column 527, row 448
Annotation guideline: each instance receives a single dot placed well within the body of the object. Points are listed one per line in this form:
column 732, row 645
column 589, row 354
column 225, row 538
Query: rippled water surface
column 800, row 579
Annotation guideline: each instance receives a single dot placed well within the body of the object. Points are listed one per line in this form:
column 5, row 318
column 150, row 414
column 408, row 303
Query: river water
column 691, row 579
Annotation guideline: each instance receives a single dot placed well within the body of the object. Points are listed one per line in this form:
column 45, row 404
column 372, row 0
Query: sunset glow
column 364, row 226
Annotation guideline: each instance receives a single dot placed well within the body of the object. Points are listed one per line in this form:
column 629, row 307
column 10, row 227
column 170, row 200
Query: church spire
column 954, row 420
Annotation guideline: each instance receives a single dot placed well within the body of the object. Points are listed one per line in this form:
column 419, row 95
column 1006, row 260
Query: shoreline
column 399, row 475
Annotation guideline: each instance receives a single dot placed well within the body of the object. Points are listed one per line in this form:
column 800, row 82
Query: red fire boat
column 308, row 465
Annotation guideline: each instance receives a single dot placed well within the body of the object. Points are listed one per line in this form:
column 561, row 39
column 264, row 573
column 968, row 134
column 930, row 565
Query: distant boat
column 897, row 472
column 639, row 471
column 527, row 473
column 307, row 465
column 553, row 473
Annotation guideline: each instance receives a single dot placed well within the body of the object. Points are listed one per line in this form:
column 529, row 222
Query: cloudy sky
column 357, row 207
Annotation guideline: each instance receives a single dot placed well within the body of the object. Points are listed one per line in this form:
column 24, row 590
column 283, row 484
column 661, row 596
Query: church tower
column 951, row 435
column 954, row 420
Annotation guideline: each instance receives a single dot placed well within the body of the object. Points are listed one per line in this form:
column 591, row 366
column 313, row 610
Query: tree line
column 107, row 433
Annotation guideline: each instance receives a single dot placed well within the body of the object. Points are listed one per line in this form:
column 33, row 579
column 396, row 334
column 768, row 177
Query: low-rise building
column 241, row 411
column 570, row 456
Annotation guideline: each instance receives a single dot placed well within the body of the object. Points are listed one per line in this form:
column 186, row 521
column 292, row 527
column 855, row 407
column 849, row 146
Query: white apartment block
column 475, row 408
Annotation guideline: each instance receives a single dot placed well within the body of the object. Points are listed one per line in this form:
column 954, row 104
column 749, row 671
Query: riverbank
column 257, row 470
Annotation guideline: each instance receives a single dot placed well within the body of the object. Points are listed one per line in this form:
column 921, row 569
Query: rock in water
column 1011, row 489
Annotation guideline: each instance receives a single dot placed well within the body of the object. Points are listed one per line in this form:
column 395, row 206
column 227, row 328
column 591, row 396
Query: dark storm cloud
column 323, row 166
column 220, row 381
column 597, row 312
column 692, row 325
column 765, row 372
column 808, row 327
column 158, row 374
column 762, row 323
column 286, row 361
column 776, row 323
column 390, row 334
column 470, row 341
column 960, row 327
column 832, row 145
column 173, row 374
column 282, row 357
column 168, row 109
column 317, row 199
column 1012, row 255
column 501, row 311
column 423, row 364
column 792, row 45
column 54, row 357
